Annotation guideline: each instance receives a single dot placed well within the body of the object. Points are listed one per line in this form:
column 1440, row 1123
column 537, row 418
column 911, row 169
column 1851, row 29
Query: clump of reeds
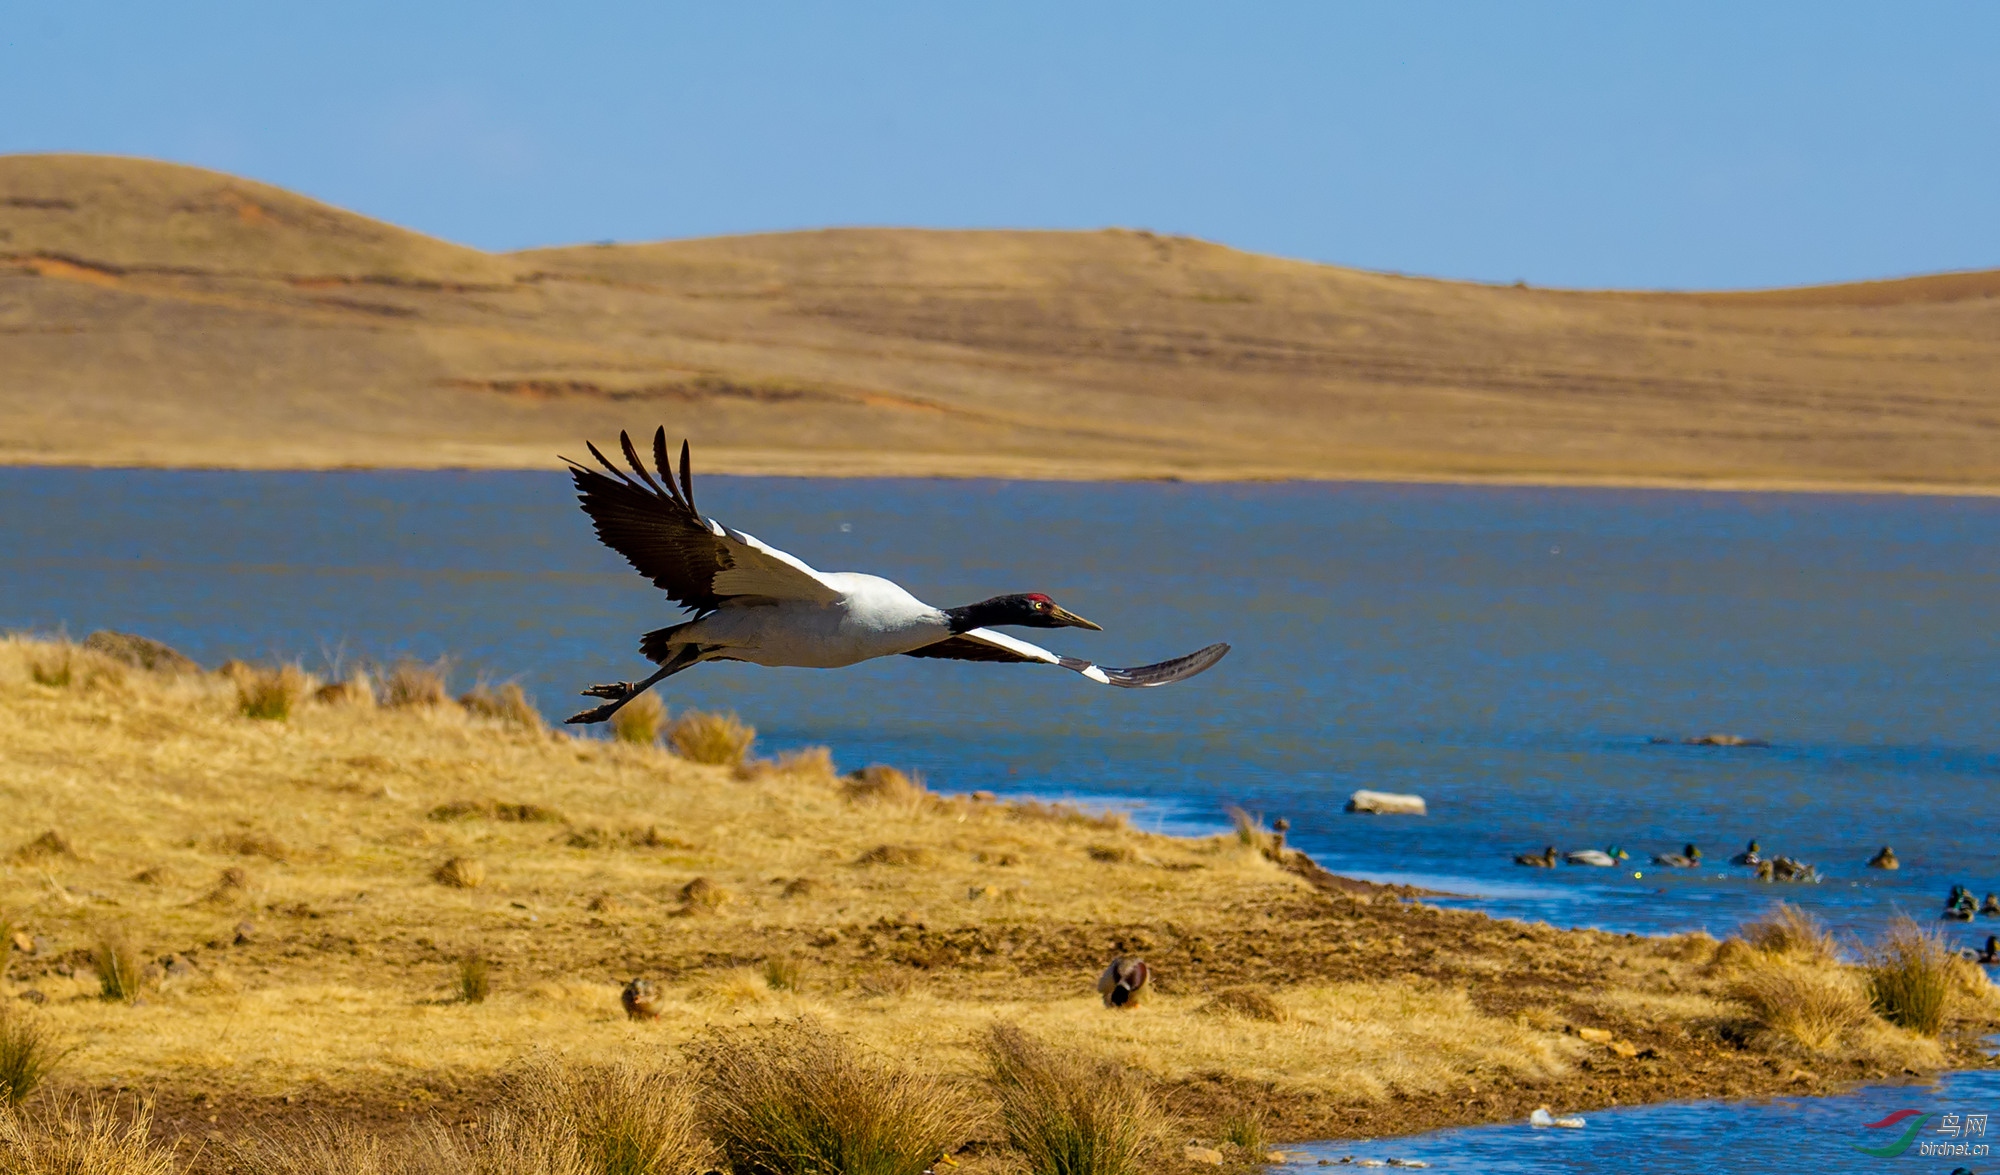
column 721, row 740
column 121, row 969
column 28, row 1054
column 1249, row 1002
column 413, row 684
column 271, row 694
column 880, row 784
column 504, row 703
column 1809, row 1006
column 1792, row 933
column 49, row 844
column 472, row 977
column 1067, row 1113
column 88, row 1136
column 793, row 1099
column 624, row 1119
column 1250, row 830
column 1910, row 978
column 460, row 873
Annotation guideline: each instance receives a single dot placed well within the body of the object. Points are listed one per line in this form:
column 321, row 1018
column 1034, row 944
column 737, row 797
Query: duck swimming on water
column 1602, row 858
column 1886, row 859
column 1546, row 859
column 1748, row 856
column 1688, row 858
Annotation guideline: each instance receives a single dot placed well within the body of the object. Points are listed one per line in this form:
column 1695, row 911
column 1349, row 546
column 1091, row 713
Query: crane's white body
column 870, row 617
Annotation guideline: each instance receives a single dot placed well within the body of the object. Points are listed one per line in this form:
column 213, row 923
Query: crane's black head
column 1031, row 610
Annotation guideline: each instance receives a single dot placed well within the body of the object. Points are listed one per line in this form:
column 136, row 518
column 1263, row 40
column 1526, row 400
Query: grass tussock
column 415, row 685
column 88, row 1136
column 702, row 896
column 793, row 1099
column 1067, row 1113
column 784, row 973
column 472, row 978
column 1245, row 1131
column 506, row 704
column 621, row 1119
column 1812, row 1007
column 62, row 665
column 907, row 855
column 1253, row 1003
column 231, row 886
column 254, row 844
column 495, row 810
column 1911, row 978
column 357, row 690
column 1792, row 933
column 879, row 784
column 272, row 694
column 49, row 845
column 121, row 968
column 28, row 1054
column 719, row 740
column 460, row 873
column 640, row 721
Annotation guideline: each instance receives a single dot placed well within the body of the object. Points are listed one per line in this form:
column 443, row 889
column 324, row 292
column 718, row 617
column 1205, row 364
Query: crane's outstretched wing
column 983, row 644
column 697, row 561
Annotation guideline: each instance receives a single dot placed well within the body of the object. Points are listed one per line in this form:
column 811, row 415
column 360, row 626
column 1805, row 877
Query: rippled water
column 1506, row 653
column 1818, row 1135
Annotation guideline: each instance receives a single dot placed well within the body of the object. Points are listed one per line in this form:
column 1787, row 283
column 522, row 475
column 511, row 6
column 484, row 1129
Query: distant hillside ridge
column 157, row 314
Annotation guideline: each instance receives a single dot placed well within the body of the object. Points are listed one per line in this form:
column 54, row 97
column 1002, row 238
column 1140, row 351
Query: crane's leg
column 622, row 692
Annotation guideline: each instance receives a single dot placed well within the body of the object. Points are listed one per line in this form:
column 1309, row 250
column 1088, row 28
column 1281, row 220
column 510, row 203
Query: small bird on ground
column 1688, row 858
column 1122, row 982
column 755, row 603
column 642, row 1000
column 1546, row 859
column 1886, row 859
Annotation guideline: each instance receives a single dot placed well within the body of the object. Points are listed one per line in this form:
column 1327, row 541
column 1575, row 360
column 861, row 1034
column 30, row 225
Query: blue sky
column 1649, row 145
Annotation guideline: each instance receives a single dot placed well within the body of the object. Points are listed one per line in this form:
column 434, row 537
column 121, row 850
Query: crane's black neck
column 1019, row 610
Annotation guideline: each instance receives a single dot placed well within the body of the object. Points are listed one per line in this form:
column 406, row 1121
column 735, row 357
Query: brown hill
column 158, row 314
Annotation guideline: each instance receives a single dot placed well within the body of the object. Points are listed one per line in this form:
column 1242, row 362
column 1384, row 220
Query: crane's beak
column 1064, row 618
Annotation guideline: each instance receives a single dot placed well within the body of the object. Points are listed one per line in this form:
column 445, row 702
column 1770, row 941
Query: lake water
column 1820, row 1135
column 1506, row 653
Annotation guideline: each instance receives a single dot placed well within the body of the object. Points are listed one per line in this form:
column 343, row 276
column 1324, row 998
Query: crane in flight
column 755, row 603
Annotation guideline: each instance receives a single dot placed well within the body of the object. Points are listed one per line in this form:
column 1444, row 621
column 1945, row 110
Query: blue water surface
column 1506, row 653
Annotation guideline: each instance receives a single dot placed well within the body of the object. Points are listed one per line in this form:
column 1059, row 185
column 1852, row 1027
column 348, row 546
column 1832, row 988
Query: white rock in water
column 1386, row 803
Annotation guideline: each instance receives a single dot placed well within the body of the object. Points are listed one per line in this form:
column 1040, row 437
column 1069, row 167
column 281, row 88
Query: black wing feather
column 658, row 532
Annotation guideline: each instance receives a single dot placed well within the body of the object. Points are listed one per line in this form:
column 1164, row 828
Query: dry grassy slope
column 161, row 314
column 1397, row 1017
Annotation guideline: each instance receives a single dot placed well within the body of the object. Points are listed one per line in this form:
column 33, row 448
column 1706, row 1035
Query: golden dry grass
column 503, row 703
column 352, row 927
column 872, row 351
column 82, row 1136
column 718, row 740
column 272, row 693
column 1912, row 977
column 1792, row 933
column 639, row 721
column 1068, row 1113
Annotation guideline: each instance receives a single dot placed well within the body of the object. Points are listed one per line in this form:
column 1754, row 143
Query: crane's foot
column 617, row 692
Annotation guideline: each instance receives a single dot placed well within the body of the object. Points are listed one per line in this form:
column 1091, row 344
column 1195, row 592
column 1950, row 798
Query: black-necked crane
column 757, row 604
